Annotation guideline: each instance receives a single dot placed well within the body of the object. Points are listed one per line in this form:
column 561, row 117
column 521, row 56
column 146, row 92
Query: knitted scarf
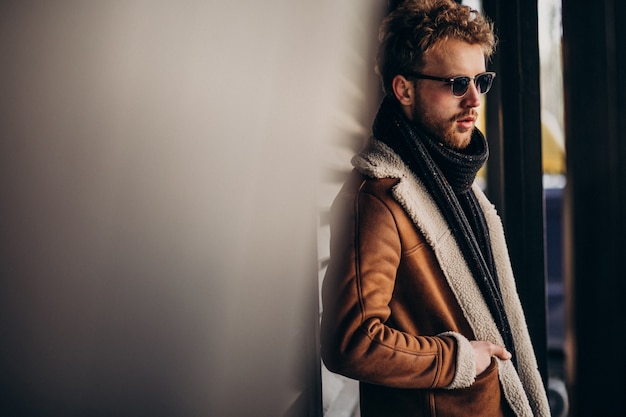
column 448, row 176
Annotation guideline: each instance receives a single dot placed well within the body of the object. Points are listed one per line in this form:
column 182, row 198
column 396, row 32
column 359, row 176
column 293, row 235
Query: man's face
column 449, row 118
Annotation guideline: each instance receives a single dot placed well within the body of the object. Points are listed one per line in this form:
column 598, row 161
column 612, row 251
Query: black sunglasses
column 460, row 84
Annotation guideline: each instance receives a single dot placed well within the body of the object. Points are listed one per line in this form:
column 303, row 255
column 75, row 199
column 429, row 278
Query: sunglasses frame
column 452, row 80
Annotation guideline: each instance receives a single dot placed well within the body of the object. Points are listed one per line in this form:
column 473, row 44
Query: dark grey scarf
column 448, row 175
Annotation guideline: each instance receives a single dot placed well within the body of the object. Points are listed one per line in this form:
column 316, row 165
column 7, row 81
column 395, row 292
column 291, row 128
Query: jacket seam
column 395, row 349
column 437, row 362
column 357, row 256
column 357, row 238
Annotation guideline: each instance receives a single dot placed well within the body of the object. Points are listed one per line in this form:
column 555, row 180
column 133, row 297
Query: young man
column 419, row 298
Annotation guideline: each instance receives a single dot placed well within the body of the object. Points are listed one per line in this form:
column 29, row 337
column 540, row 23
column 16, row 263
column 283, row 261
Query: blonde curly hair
column 410, row 31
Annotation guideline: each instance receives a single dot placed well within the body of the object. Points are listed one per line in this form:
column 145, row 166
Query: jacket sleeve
column 356, row 339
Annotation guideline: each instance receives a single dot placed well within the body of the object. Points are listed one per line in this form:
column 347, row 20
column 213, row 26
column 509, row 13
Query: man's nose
column 471, row 97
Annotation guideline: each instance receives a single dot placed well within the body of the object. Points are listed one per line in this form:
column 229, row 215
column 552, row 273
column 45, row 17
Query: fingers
column 491, row 349
column 500, row 352
column 484, row 351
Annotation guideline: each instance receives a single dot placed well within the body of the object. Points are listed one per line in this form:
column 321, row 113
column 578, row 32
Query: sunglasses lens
column 483, row 83
column 460, row 86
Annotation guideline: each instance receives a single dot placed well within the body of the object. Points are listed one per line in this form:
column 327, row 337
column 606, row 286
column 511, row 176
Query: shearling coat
column 400, row 305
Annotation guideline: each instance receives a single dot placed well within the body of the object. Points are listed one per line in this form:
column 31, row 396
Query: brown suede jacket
column 400, row 305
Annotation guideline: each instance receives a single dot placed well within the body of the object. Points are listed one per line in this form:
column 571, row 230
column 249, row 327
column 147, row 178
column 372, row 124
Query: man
column 419, row 298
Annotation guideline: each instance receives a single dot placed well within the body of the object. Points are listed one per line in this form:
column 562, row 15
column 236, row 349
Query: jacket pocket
column 482, row 399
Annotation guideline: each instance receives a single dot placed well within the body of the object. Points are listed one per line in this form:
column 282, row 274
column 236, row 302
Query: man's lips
column 466, row 122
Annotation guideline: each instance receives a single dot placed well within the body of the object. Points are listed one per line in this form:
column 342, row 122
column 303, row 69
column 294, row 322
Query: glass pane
column 553, row 161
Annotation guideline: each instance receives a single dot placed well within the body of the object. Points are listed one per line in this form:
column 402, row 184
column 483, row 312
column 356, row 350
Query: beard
column 448, row 130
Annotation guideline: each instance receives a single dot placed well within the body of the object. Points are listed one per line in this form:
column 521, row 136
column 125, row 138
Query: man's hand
column 483, row 351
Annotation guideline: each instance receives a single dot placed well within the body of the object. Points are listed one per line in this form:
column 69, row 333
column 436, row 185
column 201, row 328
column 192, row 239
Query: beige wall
column 158, row 173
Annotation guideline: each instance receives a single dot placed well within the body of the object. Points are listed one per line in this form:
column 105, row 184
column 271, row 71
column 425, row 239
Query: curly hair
column 410, row 31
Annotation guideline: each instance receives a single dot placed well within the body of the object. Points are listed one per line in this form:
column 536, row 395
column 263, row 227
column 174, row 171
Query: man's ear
column 403, row 90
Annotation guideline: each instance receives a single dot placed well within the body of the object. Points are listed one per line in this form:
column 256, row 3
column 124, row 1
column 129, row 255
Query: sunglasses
column 460, row 84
